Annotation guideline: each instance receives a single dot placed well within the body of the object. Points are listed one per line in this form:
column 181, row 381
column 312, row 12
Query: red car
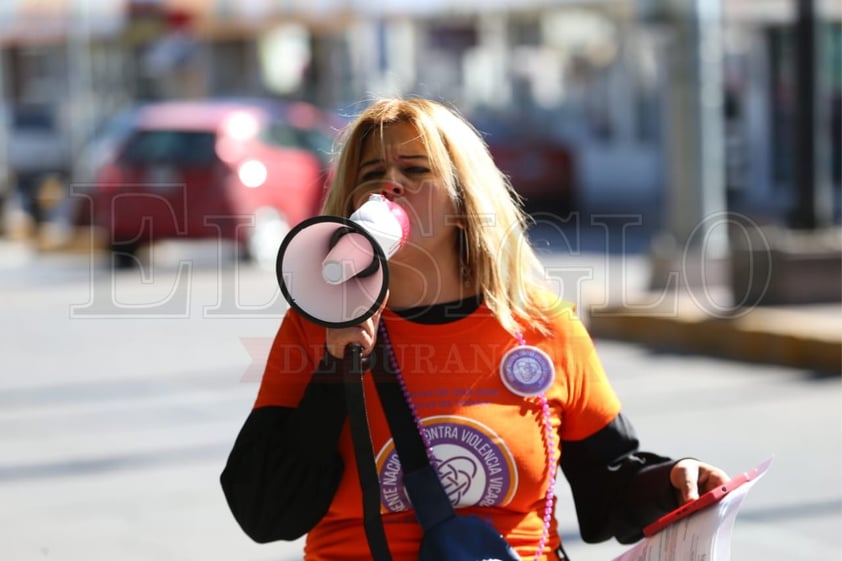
column 540, row 171
column 245, row 171
column 540, row 168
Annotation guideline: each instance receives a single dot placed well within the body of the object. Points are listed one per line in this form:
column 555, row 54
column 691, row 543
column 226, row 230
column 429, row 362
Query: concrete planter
column 773, row 266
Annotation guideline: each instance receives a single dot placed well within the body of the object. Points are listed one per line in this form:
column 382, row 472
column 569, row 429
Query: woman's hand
column 363, row 334
column 692, row 478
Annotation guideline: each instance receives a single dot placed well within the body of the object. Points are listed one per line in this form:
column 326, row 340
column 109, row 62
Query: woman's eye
column 416, row 170
column 370, row 175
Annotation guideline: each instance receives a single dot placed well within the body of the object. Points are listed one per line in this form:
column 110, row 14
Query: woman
column 503, row 376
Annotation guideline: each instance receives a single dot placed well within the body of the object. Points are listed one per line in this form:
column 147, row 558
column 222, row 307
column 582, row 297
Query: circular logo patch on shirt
column 527, row 371
column 473, row 463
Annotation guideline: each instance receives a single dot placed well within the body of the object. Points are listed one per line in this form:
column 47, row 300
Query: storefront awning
column 40, row 21
column 49, row 21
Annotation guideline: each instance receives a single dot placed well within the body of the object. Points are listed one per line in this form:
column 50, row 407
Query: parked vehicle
column 37, row 154
column 240, row 170
column 98, row 150
column 540, row 167
column 105, row 140
column 540, row 171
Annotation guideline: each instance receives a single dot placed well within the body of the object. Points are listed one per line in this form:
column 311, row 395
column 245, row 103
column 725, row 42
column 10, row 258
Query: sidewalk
column 804, row 336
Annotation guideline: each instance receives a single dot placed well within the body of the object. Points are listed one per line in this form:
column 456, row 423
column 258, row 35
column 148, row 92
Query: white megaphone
column 333, row 271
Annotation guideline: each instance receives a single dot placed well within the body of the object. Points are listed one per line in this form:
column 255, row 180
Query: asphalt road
column 121, row 396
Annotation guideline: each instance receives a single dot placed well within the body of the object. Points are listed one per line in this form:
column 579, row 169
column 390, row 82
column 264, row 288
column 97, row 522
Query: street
column 122, row 395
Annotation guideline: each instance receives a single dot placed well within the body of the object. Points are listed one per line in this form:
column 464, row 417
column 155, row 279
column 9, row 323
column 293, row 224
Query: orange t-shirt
column 488, row 441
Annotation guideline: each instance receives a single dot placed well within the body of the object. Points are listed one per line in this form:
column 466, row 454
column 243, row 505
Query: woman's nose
column 391, row 189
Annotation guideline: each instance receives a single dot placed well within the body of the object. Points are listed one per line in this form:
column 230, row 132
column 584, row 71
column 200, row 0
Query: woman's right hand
column 363, row 334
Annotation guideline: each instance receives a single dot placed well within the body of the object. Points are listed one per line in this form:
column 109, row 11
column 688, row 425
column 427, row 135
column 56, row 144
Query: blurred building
column 586, row 74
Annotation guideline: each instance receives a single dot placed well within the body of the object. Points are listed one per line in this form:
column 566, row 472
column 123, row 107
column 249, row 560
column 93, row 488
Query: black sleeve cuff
column 617, row 489
column 649, row 496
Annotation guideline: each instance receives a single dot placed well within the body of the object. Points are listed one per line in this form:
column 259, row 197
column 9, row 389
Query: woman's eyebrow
column 376, row 161
column 414, row 157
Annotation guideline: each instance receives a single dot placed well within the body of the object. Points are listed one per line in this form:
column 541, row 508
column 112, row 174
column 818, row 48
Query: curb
column 795, row 338
column 53, row 238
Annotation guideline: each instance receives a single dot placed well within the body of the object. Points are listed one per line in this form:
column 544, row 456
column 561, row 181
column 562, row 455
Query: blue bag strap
column 429, row 500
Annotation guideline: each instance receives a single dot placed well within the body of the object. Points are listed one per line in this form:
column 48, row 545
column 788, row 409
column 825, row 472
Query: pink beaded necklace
column 546, row 425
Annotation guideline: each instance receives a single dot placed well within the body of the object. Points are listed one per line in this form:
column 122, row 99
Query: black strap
column 352, row 373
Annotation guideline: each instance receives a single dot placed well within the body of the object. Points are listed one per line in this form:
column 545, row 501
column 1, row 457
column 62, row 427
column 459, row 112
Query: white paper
column 703, row 536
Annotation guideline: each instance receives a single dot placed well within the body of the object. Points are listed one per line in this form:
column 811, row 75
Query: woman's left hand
column 692, row 478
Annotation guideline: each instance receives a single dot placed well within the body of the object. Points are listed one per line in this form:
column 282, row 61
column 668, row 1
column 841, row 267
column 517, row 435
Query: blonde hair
column 497, row 255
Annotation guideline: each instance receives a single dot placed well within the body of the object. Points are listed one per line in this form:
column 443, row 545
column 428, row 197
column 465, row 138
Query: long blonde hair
column 497, row 252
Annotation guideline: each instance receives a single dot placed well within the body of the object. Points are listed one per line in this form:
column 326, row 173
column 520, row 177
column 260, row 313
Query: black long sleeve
column 284, row 468
column 617, row 489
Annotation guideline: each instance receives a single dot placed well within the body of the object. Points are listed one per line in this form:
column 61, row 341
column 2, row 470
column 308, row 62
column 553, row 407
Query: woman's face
column 397, row 166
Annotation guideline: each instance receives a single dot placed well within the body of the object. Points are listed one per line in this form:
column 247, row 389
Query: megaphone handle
column 354, row 359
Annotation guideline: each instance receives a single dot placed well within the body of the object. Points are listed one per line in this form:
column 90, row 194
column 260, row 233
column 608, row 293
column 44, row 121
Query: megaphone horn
column 333, row 270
